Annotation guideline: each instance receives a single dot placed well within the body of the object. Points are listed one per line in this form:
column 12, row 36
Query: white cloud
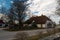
column 43, row 6
column 11, row 1
column 3, row 3
column 55, row 18
column 1, row 15
column 0, row 6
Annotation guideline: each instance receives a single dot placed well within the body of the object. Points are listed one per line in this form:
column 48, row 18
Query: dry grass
column 42, row 35
column 24, row 36
column 21, row 36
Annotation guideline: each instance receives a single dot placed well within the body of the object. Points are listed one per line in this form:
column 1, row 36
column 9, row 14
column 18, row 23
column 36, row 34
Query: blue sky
column 5, row 3
column 37, row 7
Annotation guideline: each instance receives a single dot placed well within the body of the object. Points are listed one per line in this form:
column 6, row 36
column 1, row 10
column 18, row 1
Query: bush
column 13, row 28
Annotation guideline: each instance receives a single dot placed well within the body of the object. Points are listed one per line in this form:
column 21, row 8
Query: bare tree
column 11, row 15
column 3, row 10
column 58, row 8
column 18, row 9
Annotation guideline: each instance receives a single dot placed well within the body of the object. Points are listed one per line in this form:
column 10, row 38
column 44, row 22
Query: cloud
column 11, row 1
column 42, row 6
column 46, row 7
column 0, row 6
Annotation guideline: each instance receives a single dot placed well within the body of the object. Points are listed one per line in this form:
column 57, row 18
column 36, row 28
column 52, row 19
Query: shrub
column 14, row 27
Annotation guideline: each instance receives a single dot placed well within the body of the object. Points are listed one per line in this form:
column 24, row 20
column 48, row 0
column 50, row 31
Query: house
column 2, row 24
column 41, row 21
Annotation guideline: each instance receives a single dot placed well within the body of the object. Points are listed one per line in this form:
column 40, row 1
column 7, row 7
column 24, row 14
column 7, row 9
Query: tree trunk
column 20, row 21
column 20, row 24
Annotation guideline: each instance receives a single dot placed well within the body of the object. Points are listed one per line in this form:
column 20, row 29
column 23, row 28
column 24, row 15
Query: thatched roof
column 38, row 19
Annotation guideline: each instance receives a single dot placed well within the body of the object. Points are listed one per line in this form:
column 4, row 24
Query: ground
column 52, row 37
column 6, row 35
